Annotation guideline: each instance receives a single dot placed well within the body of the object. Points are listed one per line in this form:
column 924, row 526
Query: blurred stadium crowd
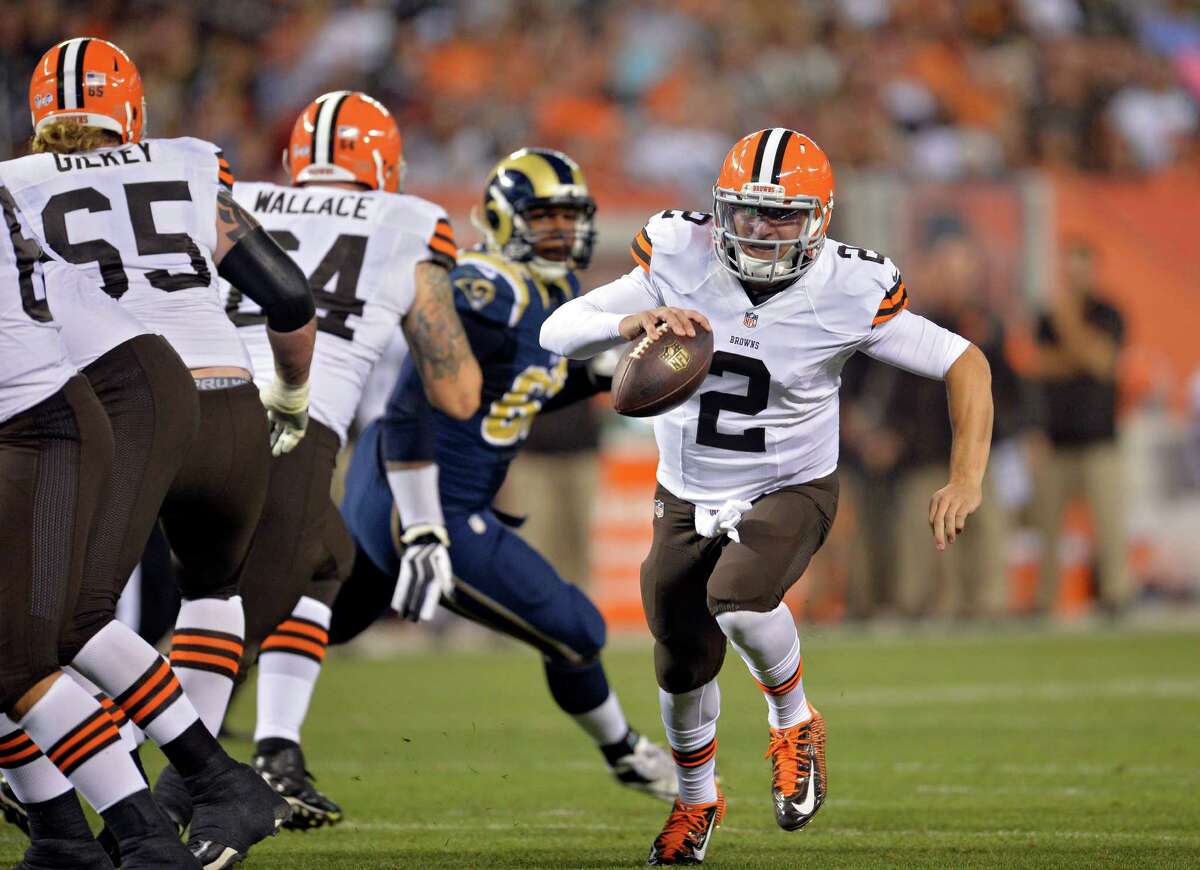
column 657, row 89
column 650, row 94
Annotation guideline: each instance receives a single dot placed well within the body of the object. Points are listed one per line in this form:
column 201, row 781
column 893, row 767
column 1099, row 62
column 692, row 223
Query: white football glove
column 287, row 411
column 425, row 572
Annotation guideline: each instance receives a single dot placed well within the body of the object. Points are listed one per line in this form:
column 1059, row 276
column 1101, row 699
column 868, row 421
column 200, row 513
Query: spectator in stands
column 969, row 581
column 867, row 475
column 1079, row 344
column 1079, row 347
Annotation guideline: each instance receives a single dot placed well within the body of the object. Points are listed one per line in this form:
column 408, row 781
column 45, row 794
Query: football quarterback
column 747, row 485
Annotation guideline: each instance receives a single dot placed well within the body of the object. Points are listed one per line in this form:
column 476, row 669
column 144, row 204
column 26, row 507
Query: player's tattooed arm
column 439, row 345
column 234, row 223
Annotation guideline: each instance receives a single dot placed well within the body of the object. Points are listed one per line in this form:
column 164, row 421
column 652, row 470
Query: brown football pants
column 301, row 545
column 54, row 460
column 688, row 579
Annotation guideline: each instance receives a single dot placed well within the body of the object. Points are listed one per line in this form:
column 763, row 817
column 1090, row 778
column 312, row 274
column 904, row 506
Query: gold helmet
column 529, row 179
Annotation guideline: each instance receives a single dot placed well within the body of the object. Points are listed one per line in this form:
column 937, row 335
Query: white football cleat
column 648, row 768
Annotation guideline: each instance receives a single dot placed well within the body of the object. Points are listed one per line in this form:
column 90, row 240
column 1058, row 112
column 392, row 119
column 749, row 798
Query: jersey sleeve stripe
column 224, row 173
column 892, row 304
column 442, row 246
column 642, row 249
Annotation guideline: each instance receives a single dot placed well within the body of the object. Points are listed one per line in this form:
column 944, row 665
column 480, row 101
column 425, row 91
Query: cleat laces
column 685, row 827
column 790, row 750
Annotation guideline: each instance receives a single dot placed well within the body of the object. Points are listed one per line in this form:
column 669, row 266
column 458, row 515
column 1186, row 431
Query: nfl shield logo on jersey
column 659, row 508
column 750, row 320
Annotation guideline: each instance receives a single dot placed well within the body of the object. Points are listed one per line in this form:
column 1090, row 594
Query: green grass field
column 945, row 751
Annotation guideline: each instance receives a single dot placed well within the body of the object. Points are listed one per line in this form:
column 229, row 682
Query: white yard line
column 937, row 834
column 970, row 693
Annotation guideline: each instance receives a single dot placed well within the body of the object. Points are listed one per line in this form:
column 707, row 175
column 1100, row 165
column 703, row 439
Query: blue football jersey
column 502, row 305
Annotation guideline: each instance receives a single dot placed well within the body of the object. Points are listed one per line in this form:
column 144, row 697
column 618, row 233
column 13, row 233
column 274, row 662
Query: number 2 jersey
column 140, row 221
column 766, row 416
column 359, row 249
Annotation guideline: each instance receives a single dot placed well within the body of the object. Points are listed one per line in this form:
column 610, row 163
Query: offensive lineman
column 537, row 220
column 152, row 222
column 747, row 485
column 56, row 447
column 376, row 258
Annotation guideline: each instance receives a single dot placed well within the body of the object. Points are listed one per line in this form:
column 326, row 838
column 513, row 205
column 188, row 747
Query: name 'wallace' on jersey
column 358, row 250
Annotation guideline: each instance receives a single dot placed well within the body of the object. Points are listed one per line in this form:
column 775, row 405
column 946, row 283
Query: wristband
column 415, row 492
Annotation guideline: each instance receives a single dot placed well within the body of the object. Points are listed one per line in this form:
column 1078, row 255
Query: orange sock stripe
column 13, row 740
column 311, row 629
column 17, row 749
column 217, row 664
column 106, row 737
column 208, row 644
column 84, row 733
column 143, row 687
column 695, row 757
column 166, row 696
column 289, row 644
column 114, row 712
column 787, row 685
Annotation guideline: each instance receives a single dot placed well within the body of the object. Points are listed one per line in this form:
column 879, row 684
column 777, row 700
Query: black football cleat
column 284, row 770
column 12, row 808
column 233, row 809
column 146, row 838
column 798, row 783
column 52, row 854
column 172, row 796
column 685, row 836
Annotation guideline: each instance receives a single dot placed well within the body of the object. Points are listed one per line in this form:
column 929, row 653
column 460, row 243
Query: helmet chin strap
column 549, row 270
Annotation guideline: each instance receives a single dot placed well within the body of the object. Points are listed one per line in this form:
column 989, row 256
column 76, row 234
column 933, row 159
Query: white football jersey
column 766, row 416
column 90, row 321
column 33, row 360
column 358, row 249
column 140, row 220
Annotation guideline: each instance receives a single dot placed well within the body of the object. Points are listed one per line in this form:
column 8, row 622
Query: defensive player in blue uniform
column 537, row 218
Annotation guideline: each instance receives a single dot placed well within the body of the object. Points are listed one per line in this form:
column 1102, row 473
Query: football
column 657, row 373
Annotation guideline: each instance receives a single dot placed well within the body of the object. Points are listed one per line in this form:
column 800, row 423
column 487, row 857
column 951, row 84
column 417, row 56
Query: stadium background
column 974, row 141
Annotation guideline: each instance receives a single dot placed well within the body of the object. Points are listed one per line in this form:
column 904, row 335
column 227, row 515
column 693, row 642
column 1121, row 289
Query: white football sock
column 770, row 646
column 206, row 652
column 690, row 720
column 606, row 724
column 289, row 662
column 32, row 775
column 82, row 741
column 145, row 688
column 124, row 726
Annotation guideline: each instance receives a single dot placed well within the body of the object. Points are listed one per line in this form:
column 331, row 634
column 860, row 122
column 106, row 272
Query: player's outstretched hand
column 680, row 320
column 949, row 509
column 425, row 573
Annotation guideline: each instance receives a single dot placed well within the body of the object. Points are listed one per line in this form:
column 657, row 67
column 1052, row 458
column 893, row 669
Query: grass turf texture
column 945, row 750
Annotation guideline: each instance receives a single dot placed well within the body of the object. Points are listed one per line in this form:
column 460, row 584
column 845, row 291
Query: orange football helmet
column 771, row 206
column 346, row 136
column 91, row 82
